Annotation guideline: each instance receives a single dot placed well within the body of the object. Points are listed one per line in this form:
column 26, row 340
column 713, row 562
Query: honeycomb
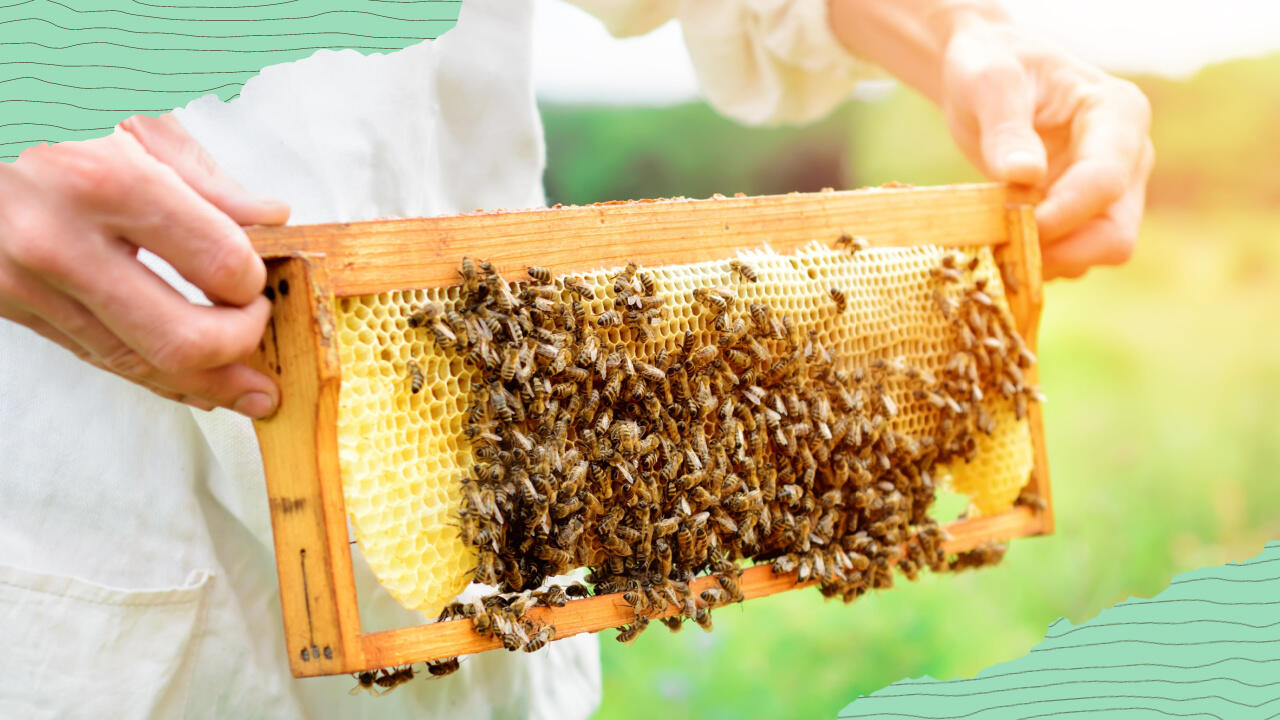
column 990, row 478
column 404, row 455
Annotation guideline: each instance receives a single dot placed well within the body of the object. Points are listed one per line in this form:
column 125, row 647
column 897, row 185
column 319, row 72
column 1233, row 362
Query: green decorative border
column 71, row 71
column 1207, row 647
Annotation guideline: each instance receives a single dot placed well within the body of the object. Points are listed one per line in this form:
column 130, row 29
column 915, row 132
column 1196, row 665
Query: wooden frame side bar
column 300, row 458
column 378, row 256
column 1020, row 265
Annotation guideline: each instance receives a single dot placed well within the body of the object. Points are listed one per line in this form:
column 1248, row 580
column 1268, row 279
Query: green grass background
column 1163, row 379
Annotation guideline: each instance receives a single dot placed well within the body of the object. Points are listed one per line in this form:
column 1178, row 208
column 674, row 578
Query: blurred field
column 1163, row 381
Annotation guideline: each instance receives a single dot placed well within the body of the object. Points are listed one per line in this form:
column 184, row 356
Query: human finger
column 1109, row 146
column 71, row 325
column 49, row 332
column 142, row 310
column 165, row 139
column 1004, row 107
column 1109, row 239
column 112, row 185
column 992, row 93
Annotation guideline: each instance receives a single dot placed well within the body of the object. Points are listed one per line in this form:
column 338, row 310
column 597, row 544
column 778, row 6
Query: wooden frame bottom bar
column 439, row 640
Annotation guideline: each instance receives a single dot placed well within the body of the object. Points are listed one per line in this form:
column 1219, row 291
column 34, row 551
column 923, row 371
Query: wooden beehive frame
column 310, row 266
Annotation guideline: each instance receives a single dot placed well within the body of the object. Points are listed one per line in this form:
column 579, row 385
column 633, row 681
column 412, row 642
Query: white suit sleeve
column 760, row 62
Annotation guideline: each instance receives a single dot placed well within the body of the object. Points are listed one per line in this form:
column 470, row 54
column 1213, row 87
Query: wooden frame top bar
column 376, row 256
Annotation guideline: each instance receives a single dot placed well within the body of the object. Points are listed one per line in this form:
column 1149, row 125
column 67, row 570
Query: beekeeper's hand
column 72, row 218
column 1022, row 111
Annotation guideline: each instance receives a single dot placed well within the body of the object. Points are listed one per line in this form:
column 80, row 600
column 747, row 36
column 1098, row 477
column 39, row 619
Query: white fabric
column 137, row 576
column 760, row 62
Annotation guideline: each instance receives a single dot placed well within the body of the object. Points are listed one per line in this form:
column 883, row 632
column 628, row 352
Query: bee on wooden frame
column 853, row 242
column 440, row 668
column 390, row 680
column 365, row 683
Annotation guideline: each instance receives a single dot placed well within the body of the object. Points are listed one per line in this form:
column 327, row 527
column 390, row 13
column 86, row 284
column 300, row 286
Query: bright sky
column 576, row 60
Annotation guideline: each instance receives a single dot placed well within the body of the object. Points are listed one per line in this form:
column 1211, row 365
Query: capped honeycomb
column 404, row 455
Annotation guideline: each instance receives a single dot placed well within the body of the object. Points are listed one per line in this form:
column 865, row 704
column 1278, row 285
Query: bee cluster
column 504, row 615
column 384, row 680
column 753, row 442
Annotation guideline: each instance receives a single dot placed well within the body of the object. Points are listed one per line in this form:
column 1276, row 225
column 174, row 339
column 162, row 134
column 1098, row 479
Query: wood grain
column 1023, row 252
column 300, row 459
column 376, row 256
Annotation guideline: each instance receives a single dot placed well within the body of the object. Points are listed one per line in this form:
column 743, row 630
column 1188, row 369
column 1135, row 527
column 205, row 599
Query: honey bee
column 853, row 242
column 890, row 407
column 604, row 420
column 839, row 297
column 651, row 372
column 649, row 303
column 578, row 287
column 627, row 273
column 540, row 639
column 416, row 378
column 553, row 596
column 395, row 678
column 470, row 278
column 555, row 556
column 498, row 401
column 440, row 668
column 703, row 618
column 673, row 623
column 646, row 283
column 702, row 357
column 947, row 274
column 592, row 504
column 731, row 587
column 443, row 334
column 713, row 301
column 628, row 633
column 425, row 314
column 540, row 274
column 365, row 683
column 712, row 596
column 610, row 318
column 747, row 272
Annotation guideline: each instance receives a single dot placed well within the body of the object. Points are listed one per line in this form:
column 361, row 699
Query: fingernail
column 255, row 405
column 1021, row 160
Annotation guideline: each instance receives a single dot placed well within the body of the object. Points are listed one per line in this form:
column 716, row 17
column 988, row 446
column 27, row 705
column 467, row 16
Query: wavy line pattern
column 71, row 71
column 1208, row 646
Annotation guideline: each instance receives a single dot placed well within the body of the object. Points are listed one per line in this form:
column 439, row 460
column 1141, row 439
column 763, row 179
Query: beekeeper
column 136, row 568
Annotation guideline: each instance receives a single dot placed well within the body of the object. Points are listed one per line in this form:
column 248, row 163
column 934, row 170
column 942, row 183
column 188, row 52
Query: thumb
column 166, row 140
column 1004, row 104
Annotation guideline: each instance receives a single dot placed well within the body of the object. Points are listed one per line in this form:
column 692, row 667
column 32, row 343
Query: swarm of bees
column 504, row 615
column 755, row 443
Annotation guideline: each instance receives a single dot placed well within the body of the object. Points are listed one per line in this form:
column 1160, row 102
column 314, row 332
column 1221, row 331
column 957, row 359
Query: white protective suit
column 136, row 568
